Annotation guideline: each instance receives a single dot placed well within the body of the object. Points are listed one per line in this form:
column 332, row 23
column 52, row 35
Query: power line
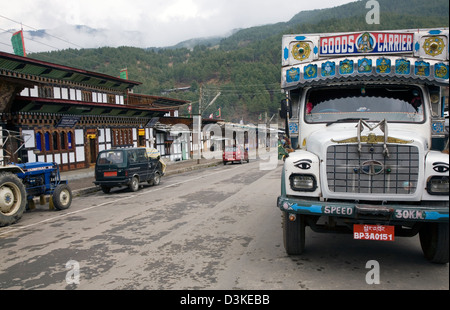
column 31, row 39
column 50, row 35
column 242, row 89
column 38, row 42
column 42, row 54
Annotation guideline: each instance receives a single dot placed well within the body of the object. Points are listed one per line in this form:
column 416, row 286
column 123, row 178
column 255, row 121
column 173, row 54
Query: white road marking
column 19, row 228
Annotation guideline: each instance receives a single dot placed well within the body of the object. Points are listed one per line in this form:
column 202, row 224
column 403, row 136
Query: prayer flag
column 124, row 74
column 18, row 44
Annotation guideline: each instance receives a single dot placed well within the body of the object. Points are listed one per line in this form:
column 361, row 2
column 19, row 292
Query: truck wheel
column 62, row 197
column 12, row 199
column 294, row 234
column 134, row 185
column 434, row 242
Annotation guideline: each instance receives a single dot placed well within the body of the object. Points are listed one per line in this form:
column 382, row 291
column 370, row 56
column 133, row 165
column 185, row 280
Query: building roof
column 28, row 66
column 25, row 71
column 157, row 102
column 61, row 106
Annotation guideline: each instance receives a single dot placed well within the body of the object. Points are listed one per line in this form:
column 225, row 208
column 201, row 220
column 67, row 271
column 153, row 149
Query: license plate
column 110, row 174
column 373, row 232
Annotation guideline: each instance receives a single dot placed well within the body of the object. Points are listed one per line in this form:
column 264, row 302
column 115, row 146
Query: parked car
column 128, row 167
column 235, row 153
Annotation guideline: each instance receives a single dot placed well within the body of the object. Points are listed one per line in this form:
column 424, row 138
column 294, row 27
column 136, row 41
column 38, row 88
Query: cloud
column 185, row 10
column 141, row 23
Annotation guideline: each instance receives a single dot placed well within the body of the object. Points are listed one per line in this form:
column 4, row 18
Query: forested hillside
column 244, row 67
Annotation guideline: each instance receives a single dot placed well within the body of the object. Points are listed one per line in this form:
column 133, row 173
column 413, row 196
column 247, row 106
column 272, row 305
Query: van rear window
column 111, row 158
column 230, row 149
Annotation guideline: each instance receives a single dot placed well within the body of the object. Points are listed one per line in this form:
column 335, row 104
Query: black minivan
column 128, row 167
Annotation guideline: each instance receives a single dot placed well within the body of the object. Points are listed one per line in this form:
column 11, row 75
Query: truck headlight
column 438, row 186
column 303, row 182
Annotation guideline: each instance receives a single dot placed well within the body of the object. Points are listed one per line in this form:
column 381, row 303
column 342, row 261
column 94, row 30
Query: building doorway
column 141, row 137
column 92, row 143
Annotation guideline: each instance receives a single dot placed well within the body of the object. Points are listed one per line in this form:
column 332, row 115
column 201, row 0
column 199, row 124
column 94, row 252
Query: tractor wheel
column 62, row 197
column 13, row 199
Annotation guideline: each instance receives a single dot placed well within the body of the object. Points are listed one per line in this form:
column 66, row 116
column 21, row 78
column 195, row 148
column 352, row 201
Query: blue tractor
column 21, row 183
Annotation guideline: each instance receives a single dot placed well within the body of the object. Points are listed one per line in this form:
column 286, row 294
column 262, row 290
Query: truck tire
column 62, row 197
column 434, row 242
column 13, row 198
column 294, row 234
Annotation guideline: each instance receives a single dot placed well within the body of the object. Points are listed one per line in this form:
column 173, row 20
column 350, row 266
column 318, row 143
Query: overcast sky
column 140, row 23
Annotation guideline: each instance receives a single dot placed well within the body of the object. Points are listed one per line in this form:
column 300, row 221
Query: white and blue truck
column 365, row 115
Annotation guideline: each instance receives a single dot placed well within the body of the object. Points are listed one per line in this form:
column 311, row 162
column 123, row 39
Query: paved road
column 216, row 228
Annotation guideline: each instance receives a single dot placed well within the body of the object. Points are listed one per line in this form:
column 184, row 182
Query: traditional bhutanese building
column 67, row 115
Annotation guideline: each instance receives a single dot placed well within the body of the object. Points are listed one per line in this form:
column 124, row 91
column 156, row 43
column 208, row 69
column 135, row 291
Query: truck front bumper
column 425, row 212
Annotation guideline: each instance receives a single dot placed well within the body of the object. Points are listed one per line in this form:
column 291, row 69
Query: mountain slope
column 244, row 67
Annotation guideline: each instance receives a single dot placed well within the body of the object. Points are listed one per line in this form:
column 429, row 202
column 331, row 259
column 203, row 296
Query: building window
column 79, row 96
column 55, row 141
column 57, row 92
column 47, row 141
column 46, row 92
column 64, row 93
column 39, row 141
column 122, row 137
column 62, row 140
column 25, row 92
column 87, row 96
column 69, row 140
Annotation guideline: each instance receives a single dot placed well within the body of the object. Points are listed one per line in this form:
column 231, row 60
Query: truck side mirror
column 286, row 107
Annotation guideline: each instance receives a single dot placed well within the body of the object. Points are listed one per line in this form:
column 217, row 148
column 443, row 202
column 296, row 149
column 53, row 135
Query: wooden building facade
column 67, row 115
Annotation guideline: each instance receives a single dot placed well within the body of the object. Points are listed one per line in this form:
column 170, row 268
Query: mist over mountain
column 243, row 65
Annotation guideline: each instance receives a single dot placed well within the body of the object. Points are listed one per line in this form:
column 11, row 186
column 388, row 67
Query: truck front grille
column 371, row 172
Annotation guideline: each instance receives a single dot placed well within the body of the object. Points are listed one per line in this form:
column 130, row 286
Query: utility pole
column 198, row 122
column 198, row 127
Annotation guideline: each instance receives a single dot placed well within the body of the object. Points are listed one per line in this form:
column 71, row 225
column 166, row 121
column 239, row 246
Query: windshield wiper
column 344, row 120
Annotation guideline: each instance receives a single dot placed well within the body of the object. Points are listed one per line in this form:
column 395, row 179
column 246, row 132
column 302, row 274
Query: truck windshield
column 110, row 158
column 372, row 103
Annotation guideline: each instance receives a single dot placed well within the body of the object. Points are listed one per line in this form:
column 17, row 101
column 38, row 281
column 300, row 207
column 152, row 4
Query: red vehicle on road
column 235, row 153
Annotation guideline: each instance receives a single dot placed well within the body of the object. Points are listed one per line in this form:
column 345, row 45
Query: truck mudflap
column 436, row 213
